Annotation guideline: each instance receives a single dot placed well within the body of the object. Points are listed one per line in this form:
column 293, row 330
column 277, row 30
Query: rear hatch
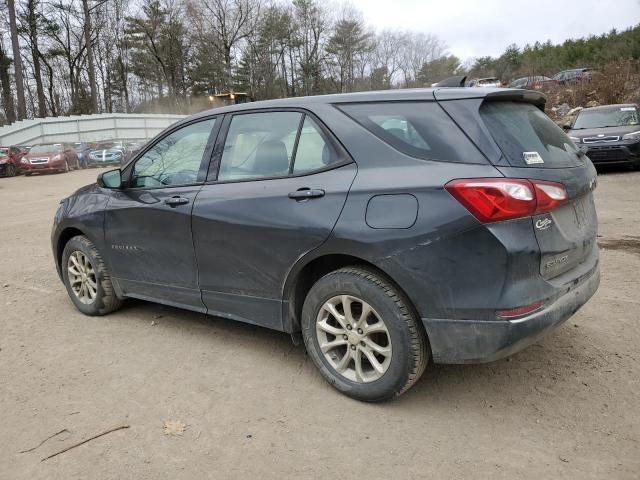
column 522, row 142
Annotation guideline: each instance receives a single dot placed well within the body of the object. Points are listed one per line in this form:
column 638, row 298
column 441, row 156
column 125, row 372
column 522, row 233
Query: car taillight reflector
column 495, row 199
column 519, row 311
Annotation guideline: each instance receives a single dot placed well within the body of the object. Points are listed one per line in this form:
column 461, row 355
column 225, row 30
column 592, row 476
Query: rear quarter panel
column 428, row 260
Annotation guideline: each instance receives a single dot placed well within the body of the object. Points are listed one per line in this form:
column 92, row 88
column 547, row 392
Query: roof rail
column 457, row 81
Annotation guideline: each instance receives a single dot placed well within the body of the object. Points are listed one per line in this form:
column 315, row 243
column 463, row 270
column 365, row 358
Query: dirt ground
column 254, row 405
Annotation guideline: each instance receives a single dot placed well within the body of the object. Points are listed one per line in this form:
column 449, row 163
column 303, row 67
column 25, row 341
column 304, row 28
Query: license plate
column 580, row 213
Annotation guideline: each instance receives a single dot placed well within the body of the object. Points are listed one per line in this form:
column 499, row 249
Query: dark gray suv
column 384, row 229
column 609, row 134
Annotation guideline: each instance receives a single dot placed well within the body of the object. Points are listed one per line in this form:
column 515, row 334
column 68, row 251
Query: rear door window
column 527, row 137
column 419, row 129
column 314, row 152
column 259, row 145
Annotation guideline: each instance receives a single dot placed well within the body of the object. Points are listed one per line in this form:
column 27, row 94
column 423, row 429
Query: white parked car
column 485, row 82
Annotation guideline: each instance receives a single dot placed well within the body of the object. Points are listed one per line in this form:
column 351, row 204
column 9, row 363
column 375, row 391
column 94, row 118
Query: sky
column 475, row 28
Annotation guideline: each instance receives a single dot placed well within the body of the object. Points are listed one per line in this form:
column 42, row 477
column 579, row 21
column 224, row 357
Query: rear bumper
column 479, row 341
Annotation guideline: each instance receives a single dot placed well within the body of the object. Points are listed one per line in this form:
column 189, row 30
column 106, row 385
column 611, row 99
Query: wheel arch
column 309, row 270
column 65, row 235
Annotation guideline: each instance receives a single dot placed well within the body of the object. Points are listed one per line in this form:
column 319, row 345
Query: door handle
column 176, row 200
column 306, row 193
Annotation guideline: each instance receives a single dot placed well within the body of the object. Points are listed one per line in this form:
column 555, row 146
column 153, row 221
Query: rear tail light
column 495, row 199
column 549, row 195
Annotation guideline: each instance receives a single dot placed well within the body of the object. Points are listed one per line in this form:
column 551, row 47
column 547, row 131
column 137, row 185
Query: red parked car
column 574, row 75
column 535, row 82
column 50, row 157
column 10, row 161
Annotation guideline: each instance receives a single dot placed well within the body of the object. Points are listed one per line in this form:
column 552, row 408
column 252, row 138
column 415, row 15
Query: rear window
column 419, row 129
column 527, row 137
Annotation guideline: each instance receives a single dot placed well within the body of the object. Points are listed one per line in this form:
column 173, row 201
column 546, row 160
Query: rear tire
column 87, row 279
column 392, row 356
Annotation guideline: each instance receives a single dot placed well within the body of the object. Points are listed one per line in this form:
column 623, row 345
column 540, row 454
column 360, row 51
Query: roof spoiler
column 516, row 95
column 457, row 81
column 492, row 95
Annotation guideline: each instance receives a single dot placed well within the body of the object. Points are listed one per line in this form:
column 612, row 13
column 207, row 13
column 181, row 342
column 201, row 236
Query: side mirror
column 566, row 127
column 110, row 179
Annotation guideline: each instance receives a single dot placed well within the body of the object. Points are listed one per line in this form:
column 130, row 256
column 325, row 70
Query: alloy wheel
column 353, row 338
column 82, row 277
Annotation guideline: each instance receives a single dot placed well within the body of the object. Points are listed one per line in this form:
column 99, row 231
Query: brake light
column 495, row 199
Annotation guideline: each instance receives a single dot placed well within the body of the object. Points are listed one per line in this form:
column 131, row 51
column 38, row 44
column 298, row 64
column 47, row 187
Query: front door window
column 175, row 160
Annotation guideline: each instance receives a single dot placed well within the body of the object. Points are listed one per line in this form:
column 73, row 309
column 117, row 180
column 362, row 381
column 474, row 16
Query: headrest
column 271, row 158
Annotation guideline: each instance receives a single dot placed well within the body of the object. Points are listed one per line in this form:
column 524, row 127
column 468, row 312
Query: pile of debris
column 616, row 82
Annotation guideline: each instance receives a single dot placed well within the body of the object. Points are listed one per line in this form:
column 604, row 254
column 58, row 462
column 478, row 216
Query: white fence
column 85, row 128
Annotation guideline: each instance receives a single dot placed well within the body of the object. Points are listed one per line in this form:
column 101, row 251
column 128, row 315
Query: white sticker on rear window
column 627, row 109
column 532, row 158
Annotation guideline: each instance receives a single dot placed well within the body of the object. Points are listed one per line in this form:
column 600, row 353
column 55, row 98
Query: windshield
column 108, row 145
column 37, row 149
column 527, row 137
column 618, row 117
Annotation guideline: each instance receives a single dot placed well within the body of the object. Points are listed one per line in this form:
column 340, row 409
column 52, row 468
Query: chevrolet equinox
column 384, row 229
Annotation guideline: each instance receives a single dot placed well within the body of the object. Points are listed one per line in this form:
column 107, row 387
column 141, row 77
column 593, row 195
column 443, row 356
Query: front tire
column 87, row 279
column 361, row 333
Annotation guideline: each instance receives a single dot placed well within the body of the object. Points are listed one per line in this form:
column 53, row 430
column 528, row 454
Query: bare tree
column 312, row 23
column 90, row 59
column 231, row 21
column 5, row 84
column 67, row 38
column 387, row 55
column 420, row 48
column 17, row 60
column 32, row 19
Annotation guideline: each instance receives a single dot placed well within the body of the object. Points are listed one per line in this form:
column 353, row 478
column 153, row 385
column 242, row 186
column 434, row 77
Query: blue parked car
column 110, row 152
column 82, row 150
